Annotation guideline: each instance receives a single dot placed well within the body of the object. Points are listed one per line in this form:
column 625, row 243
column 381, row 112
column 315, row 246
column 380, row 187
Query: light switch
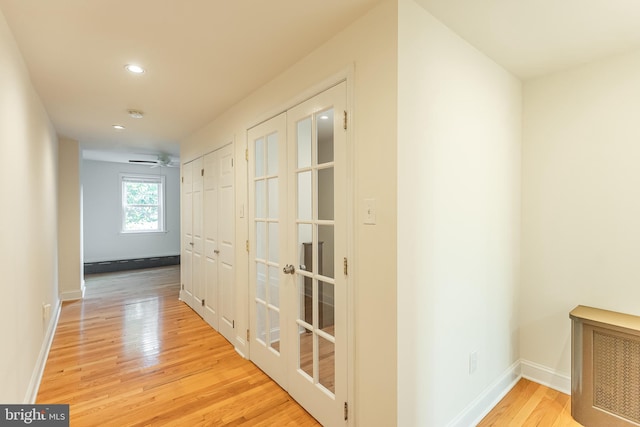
column 370, row 211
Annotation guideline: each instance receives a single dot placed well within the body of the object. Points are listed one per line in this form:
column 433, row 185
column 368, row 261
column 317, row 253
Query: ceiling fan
column 162, row 160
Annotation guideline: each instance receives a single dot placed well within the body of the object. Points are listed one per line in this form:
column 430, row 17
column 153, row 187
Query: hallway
column 131, row 353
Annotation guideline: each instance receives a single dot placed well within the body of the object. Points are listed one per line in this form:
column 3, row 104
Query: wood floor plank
column 531, row 404
column 132, row 354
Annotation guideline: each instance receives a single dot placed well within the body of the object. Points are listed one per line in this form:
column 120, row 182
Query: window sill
column 143, row 232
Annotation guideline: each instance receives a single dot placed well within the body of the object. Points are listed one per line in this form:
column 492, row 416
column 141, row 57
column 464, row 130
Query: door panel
column 198, row 237
column 211, row 259
column 186, row 294
column 226, row 230
column 267, row 231
column 317, row 371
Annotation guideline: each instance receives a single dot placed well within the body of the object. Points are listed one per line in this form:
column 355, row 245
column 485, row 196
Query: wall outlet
column 473, row 362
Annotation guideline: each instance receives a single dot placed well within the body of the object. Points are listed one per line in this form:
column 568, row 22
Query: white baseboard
column 489, row 398
column 545, row 376
column 38, row 370
column 73, row 295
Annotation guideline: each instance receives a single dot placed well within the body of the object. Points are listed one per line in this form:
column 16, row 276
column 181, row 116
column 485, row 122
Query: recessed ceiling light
column 324, row 117
column 136, row 114
column 133, row 68
column 118, row 127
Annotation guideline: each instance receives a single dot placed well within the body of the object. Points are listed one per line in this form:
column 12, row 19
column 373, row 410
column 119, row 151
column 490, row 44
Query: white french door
column 268, row 228
column 298, row 212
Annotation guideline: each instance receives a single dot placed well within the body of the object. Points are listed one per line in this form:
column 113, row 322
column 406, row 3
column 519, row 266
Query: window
column 142, row 203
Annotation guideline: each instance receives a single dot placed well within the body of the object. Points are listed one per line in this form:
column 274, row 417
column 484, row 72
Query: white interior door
column 197, row 236
column 226, row 237
column 298, row 234
column 186, row 261
column 267, row 231
column 317, row 368
column 211, row 241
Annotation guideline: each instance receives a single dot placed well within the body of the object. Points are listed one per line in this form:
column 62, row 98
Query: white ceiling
column 202, row 56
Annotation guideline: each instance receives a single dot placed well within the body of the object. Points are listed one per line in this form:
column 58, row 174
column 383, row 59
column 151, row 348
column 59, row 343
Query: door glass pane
column 261, row 199
column 326, row 364
column 305, row 299
column 304, row 254
column 272, row 188
column 326, row 244
column 272, row 154
column 274, row 242
column 261, row 281
column 325, row 307
column 259, row 157
column 261, row 240
column 324, row 122
column 304, row 143
column 305, row 343
column 305, row 195
column 274, row 286
column 325, row 194
column 274, row 331
column 261, row 322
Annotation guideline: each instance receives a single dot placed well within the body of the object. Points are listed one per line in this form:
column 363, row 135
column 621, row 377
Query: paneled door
column 192, row 238
column 298, row 235
column 219, row 302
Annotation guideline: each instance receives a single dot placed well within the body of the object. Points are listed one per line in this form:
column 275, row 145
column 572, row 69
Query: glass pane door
column 267, row 212
column 315, row 248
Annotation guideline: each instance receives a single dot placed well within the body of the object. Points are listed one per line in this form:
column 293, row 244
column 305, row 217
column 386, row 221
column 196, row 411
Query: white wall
column 70, row 264
column 581, row 201
column 459, row 137
column 102, row 216
column 369, row 45
column 28, row 247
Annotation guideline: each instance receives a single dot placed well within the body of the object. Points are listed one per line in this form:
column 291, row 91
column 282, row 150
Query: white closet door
column 197, row 270
column 211, row 243
column 186, row 261
column 226, row 237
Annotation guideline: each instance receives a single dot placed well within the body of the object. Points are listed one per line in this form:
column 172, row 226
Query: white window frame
column 156, row 179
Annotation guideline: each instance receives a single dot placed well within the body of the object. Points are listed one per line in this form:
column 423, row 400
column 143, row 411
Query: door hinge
column 183, row 179
column 344, row 122
column 345, row 266
column 203, row 302
column 232, row 162
column 346, row 411
column 201, row 172
column 233, row 324
column 246, row 154
column 247, row 245
column 182, row 286
column 247, row 335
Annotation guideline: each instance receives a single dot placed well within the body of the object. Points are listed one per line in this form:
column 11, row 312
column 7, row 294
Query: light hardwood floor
column 132, row 354
column 531, row 404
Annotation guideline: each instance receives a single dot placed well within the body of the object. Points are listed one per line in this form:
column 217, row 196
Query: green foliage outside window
column 141, row 206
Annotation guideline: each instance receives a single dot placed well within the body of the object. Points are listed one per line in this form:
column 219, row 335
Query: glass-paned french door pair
column 298, row 241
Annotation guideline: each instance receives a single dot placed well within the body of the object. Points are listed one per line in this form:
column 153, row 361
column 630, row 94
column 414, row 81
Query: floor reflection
column 141, row 325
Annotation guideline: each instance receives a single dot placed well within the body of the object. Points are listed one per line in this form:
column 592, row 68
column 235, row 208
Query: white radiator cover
column 605, row 368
